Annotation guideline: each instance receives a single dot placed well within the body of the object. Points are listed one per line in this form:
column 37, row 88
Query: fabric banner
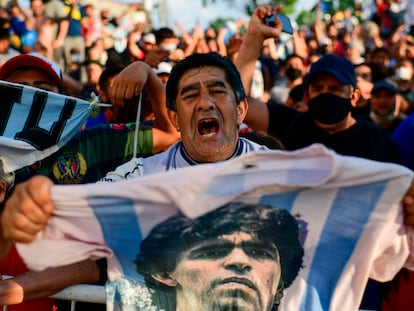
column 36, row 123
column 348, row 209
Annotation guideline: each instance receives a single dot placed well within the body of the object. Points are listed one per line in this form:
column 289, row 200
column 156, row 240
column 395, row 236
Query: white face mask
column 403, row 73
column 384, row 119
column 170, row 47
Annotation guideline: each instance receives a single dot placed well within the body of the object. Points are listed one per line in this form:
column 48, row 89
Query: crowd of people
column 342, row 82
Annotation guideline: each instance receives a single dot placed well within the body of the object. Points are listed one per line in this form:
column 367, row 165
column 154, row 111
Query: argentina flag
column 348, row 208
column 35, row 123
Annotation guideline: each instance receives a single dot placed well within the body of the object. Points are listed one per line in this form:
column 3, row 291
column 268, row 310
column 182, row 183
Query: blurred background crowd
column 88, row 38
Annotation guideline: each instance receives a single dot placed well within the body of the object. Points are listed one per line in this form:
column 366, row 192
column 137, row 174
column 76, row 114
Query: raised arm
column 129, row 83
column 257, row 32
column 133, row 38
column 253, row 39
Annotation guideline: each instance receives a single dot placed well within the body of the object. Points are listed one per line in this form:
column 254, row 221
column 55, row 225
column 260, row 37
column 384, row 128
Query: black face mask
column 328, row 108
column 293, row 73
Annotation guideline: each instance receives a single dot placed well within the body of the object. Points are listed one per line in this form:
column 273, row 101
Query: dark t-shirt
column 297, row 130
column 390, row 129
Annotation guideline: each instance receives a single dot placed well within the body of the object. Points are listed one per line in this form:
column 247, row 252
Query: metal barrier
column 75, row 293
column 82, row 292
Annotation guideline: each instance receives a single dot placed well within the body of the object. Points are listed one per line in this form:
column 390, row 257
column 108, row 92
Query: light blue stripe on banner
column 227, row 185
column 121, row 229
column 281, row 200
column 346, row 221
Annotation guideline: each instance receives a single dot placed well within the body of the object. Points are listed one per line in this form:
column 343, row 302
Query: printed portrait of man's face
column 233, row 272
column 238, row 257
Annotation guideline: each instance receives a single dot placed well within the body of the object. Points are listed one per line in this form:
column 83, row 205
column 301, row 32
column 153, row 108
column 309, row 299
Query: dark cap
column 341, row 68
column 385, row 84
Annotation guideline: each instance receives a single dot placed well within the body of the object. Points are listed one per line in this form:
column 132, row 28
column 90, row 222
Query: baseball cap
column 163, row 68
column 385, row 84
column 403, row 74
column 325, row 41
column 149, row 38
column 341, row 68
column 33, row 60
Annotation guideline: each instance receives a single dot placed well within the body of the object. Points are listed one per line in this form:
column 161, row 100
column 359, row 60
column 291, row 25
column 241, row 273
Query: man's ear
column 242, row 108
column 3, row 189
column 173, row 115
column 165, row 279
column 355, row 95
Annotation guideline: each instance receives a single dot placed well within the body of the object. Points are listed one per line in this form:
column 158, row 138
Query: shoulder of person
column 371, row 128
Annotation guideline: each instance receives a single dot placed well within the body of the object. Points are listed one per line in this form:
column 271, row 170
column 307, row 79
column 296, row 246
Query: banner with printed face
column 34, row 123
column 200, row 235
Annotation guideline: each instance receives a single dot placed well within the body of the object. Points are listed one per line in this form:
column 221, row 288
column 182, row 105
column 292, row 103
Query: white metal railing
column 75, row 293
column 82, row 292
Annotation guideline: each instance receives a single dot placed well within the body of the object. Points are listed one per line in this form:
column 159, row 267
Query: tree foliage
column 288, row 5
column 329, row 7
column 248, row 7
column 303, row 17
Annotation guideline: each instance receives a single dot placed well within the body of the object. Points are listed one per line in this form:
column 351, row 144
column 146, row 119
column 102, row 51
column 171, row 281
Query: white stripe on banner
column 320, row 206
column 349, row 213
column 35, row 123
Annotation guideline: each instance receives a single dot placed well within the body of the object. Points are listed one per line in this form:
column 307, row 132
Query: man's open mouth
column 208, row 127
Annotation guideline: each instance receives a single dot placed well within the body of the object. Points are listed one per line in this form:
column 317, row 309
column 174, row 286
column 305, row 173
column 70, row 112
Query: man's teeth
column 209, row 134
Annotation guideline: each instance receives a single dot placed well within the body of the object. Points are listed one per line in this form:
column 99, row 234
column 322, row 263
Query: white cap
column 403, row 73
column 325, row 41
column 149, row 38
column 163, row 68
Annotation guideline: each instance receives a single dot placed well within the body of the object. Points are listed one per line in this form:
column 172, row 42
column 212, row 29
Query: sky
column 189, row 11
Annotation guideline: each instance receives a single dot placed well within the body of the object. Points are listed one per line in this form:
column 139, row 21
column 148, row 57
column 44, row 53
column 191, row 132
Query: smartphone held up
column 286, row 24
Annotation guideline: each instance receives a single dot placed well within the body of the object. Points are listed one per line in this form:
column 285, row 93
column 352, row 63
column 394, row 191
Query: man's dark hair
column 292, row 56
column 381, row 50
column 264, row 138
column 199, row 60
column 107, row 74
column 163, row 33
column 161, row 250
column 4, row 28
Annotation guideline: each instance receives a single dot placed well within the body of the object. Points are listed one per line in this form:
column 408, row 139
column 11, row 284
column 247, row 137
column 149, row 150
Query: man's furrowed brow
column 190, row 87
column 212, row 248
column 211, row 83
column 213, row 243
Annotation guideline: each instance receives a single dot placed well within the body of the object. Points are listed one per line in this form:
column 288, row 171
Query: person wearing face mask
column 331, row 91
column 384, row 108
column 168, row 41
column 403, row 77
column 365, row 84
column 293, row 72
